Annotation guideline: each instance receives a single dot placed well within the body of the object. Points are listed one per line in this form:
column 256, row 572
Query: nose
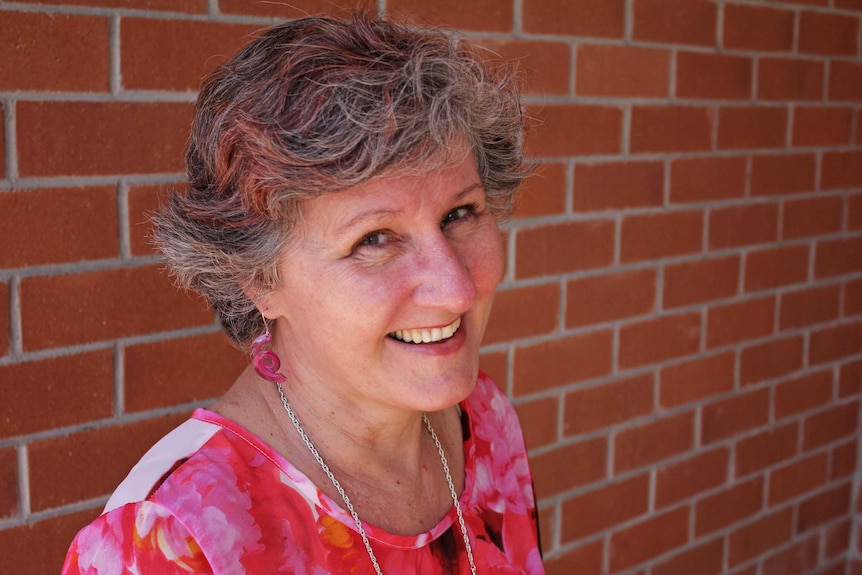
column 443, row 276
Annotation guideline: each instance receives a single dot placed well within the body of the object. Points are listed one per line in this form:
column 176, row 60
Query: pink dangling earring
column 265, row 361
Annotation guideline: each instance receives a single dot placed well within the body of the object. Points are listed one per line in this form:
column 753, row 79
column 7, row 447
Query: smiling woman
column 346, row 182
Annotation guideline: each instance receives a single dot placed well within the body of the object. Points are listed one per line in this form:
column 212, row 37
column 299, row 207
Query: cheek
column 487, row 263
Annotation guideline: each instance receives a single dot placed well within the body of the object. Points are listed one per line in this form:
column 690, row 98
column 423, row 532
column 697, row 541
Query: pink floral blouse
column 211, row 497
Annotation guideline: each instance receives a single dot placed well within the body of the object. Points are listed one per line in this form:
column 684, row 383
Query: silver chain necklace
column 346, row 499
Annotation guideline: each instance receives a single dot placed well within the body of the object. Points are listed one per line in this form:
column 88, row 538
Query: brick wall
column 680, row 327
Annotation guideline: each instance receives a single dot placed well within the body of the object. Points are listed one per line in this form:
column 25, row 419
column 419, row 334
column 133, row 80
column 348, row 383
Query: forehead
column 404, row 193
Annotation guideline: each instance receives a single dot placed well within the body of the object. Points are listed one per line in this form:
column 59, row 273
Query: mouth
column 431, row 335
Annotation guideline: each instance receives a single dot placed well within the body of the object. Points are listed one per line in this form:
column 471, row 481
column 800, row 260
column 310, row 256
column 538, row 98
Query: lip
column 428, row 334
column 444, row 347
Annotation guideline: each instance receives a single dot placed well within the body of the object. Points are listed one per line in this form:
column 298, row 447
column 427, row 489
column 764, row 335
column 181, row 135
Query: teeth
column 427, row 335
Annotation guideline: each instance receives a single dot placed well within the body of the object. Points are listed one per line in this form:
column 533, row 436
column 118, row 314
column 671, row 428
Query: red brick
column 651, row 442
column 8, row 482
column 607, row 404
column 742, row 225
column 835, row 342
column 823, row 507
column 591, row 455
column 30, row 403
column 845, row 80
column 88, row 138
column 699, row 281
column 760, row 536
column 798, row 559
column 705, row 559
column 95, row 460
column 143, row 203
column 812, row 216
column 175, row 54
column 584, row 560
column 848, row 4
column 822, row 126
column 102, row 305
column 784, row 174
column 83, row 224
column 752, row 127
column 808, row 306
column 618, row 185
column 602, row 18
column 655, row 340
column 605, row 507
column 38, row 548
column 841, row 170
column 496, row 16
column 736, row 322
column 4, row 319
column 832, row 34
column 704, row 179
column 538, row 63
column 695, row 380
column 496, row 365
column 187, row 6
column 650, row 538
column 728, row 506
column 797, row 478
column 675, row 21
column 671, row 128
column 609, row 297
column 685, row 479
column 560, row 248
column 843, row 460
column 575, row 130
column 178, row 371
column 776, row 267
column 544, row 193
column 850, row 379
column 624, row 71
column 830, row 425
column 852, row 298
column 713, row 76
column 734, row 415
column 2, row 147
column 757, row 28
column 539, row 421
column 787, row 79
column 523, row 312
column 653, row 236
column 294, row 9
column 771, row 359
column 854, row 207
column 803, row 394
column 775, row 444
column 837, row 257
column 53, row 52
column 836, row 539
column 562, row 361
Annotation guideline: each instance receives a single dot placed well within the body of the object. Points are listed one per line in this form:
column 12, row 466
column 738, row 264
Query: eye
column 377, row 238
column 459, row 213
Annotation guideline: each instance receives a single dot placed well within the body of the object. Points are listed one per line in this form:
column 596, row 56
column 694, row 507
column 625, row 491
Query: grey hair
column 320, row 105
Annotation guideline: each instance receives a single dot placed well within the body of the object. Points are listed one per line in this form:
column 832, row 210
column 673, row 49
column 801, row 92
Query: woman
column 346, row 180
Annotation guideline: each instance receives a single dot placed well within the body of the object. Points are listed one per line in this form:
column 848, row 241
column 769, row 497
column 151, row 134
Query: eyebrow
column 375, row 214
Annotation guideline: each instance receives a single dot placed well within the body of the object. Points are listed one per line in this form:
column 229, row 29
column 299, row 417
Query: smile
column 427, row 335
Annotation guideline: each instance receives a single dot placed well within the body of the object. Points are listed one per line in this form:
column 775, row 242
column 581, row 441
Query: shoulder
column 162, row 460
column 142, row 537
column 492, row 412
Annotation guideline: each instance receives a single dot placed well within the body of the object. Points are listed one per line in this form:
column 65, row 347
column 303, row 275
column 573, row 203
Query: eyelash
column 471, row 210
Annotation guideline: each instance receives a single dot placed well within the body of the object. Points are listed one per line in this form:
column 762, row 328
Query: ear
column 263, row 301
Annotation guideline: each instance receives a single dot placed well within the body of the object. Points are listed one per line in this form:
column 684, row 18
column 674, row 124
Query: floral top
column 210, row 497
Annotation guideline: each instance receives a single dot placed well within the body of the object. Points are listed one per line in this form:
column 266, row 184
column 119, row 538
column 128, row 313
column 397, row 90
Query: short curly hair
column 319, row 105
